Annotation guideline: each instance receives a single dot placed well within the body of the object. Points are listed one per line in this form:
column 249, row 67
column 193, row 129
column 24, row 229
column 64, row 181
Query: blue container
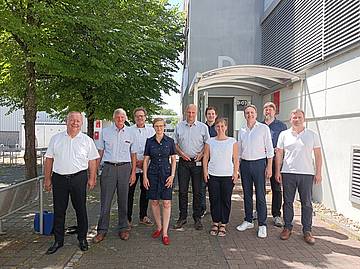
column 48, row 218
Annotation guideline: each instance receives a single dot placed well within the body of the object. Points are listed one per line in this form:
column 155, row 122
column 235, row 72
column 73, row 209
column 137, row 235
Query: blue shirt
column 159, row 153
column 276, row 127
column 116, row 143
column 212, row 131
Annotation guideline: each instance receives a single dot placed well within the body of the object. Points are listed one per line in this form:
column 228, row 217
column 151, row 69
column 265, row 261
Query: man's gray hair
column 74, row 112
column 297, row 110
column 119, row 111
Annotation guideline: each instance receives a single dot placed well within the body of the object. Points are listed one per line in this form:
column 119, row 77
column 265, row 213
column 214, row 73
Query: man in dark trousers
column 276, row 127
column 70, row 166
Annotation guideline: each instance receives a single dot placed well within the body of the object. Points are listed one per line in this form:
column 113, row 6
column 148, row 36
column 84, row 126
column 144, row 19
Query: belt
column 191, row 160
column 71, row 175
column 117, row 164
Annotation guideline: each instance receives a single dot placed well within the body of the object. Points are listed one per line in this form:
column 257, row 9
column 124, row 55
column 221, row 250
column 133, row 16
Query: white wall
column 330, row 98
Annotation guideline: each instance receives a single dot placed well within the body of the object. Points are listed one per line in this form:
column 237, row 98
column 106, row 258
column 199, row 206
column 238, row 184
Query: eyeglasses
column 140, row 116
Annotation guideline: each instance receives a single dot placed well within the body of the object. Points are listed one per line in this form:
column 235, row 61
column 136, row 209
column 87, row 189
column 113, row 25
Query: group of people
column 207, row 158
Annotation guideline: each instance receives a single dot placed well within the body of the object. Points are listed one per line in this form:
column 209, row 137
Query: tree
column 123, row 61
column 91, row 56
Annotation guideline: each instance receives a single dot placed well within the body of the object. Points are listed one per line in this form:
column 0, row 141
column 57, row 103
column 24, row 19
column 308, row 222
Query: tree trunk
column 90, row 125
column 30, row 110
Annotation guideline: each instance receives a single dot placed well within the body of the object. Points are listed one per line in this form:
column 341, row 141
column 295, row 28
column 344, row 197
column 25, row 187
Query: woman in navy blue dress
column 159, row 176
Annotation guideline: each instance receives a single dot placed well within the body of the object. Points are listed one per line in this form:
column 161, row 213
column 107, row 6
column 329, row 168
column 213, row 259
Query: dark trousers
column 220, row 191
column 75, row 186
column 253, row 173
column 143, row 200
column 202, row 196
column 187, row 170
column 304, row 184
column 276, row 201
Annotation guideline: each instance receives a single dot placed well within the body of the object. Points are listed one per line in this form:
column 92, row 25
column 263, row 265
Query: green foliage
column 92, row 56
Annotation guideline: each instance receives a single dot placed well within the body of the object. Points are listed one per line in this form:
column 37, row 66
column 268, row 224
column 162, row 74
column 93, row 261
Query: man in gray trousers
column 118, row 173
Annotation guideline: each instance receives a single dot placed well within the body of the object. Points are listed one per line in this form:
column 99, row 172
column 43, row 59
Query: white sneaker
column 262, row 231
column 244, row 226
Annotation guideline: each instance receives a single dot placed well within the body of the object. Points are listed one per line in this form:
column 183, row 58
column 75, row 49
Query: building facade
column 315, row 47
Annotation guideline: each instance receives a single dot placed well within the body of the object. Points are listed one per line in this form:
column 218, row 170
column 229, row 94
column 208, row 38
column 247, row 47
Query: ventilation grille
column 355, row 175
column 342, row 24
column 300, row 32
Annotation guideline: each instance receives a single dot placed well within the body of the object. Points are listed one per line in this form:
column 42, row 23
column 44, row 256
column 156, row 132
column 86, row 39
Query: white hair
column 119, row 111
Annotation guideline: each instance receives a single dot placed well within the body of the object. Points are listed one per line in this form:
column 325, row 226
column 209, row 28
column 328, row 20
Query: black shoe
column 83, row 244
column 180, row 223
column 54, row 248
column 198, row 226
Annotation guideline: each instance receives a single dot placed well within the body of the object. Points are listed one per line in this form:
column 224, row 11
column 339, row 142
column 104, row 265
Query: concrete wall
column 330, row 98
column 222, row 33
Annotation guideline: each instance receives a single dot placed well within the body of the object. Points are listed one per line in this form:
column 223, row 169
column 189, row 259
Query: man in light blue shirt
column 190, row 137
column 115, row 149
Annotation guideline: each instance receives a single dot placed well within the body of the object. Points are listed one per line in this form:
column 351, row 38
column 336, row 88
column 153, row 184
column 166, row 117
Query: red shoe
column 156, row 233
column 166, row 240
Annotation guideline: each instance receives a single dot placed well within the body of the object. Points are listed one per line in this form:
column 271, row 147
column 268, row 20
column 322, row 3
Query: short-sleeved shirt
column 212, row 130
column 140, row 136
column 255, row 143
column 298, row 149
column 71, row 155
column 276, row 127
column 221, row 156
column 159, row 154
column 116, row 143
column 191, row 138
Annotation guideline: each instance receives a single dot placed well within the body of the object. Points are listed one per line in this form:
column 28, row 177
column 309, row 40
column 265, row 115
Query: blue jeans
column 253, row 173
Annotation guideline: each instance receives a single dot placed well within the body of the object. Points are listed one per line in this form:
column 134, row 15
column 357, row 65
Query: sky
column 173, row 100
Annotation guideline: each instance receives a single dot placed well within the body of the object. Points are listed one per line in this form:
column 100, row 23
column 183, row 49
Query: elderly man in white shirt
column 294, row 152
column 70, row 166
column 119, row 171
column 141, row 132
column 256, row 152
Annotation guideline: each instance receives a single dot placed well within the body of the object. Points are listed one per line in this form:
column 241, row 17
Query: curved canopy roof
column 259, row 79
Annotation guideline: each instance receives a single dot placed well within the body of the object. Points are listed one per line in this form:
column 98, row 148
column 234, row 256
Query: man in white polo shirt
column 256, row 155
column 141, row 132
column 70, row 165
column 115, row 149
column 294, row 152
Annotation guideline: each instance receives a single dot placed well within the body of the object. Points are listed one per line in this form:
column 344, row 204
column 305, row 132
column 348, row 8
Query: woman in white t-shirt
column 221, row 166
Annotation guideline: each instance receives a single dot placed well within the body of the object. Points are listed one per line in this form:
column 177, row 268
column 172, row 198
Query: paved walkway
column 22, row 248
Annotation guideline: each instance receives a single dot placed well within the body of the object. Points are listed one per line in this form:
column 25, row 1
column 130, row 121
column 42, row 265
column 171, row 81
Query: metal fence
column 20, row 195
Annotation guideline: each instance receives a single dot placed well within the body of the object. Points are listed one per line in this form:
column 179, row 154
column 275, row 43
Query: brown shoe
column 309, row 238
column 285, row 234
column 98, row 238
column 124, row 235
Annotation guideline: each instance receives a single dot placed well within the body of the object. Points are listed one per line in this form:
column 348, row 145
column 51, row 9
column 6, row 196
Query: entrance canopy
column 259, row 79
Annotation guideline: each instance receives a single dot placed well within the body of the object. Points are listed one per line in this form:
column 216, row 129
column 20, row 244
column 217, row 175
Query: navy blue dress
column 159, row 169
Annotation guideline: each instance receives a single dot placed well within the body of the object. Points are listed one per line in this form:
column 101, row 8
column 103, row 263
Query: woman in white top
column 220, row 165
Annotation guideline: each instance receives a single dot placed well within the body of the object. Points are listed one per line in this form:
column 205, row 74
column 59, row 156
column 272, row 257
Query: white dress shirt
column 71, row 155
column 116, row 143
column 255, row 143
column 140, row 136
column 298, row 149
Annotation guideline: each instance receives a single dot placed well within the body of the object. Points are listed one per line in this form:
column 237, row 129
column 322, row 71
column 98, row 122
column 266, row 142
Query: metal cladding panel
column 292, row 34
column 300, row 32
column 341, row 25
column 355, row 176
column 12, row 121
